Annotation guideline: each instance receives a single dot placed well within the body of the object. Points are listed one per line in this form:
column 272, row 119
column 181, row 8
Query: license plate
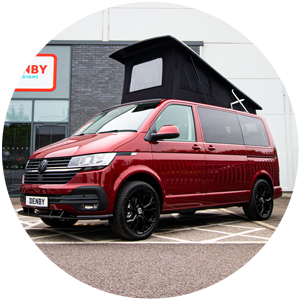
column 37, row 201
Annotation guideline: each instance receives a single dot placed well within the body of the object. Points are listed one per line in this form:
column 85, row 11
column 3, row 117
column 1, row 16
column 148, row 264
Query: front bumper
column 86, row 202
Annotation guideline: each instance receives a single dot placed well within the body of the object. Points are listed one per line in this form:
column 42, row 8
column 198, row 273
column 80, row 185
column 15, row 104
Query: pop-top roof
column 166, row 68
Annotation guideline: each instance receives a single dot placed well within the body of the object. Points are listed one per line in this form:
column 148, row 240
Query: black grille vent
column 57, row 176
column 49, row 177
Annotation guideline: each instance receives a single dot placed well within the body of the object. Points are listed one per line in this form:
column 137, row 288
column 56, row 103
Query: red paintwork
column 189, row 174
column 168, row 129
column 85, row 144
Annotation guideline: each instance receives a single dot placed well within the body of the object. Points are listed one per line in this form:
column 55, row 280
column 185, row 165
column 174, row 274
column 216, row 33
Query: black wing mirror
column 166, row 132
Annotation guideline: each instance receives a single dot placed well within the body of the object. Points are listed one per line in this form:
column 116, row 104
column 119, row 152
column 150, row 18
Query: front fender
column 134, row 170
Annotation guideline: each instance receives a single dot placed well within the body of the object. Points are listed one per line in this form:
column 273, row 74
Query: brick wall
column 96, row 81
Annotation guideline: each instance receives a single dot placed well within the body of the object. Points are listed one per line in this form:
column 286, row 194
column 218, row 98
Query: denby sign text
column 40, row 75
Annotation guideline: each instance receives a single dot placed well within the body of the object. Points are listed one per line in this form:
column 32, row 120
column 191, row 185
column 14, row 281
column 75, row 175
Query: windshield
column 124, row 118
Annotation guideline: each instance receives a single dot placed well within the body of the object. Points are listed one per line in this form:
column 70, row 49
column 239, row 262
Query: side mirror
column 166, row 132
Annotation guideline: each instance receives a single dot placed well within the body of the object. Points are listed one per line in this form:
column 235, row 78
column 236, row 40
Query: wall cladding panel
column 186, row 24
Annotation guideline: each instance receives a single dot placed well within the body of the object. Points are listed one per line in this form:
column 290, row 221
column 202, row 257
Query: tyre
column 136, row 212
column 260, row 206
column 58, row 223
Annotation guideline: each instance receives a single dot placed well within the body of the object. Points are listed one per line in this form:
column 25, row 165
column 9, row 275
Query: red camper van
column 143, row 158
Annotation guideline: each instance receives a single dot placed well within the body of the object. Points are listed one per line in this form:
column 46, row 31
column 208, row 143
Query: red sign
column 40, row 75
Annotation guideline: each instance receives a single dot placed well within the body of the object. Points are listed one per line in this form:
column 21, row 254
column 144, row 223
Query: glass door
column 45, row 134
column 15, row 153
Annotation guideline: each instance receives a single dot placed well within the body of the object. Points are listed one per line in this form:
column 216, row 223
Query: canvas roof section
column 166, row 68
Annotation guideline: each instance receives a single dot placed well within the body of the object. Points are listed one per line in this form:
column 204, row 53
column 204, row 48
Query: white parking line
column 231, row 235
column 172, row 239
column 161, row 234
column 73, row 236
column 256, row 222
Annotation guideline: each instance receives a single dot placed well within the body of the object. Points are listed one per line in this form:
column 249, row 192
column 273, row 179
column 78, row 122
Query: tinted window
column 146, row 75
column 220, row 127
column 254, row 131
column 182, row 117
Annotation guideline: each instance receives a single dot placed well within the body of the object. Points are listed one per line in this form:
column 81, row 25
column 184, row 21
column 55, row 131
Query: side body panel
column 181, row 166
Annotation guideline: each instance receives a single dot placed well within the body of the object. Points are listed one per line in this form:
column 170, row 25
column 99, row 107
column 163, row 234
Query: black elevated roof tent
column 166, row 68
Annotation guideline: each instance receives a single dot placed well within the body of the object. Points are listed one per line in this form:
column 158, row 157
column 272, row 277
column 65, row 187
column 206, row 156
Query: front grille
column 56, row 172
column 33, row 164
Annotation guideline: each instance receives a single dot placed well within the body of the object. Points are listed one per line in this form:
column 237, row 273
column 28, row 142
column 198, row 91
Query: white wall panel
column 276, row 124
column 267, row 93
column 296, row 169
column 52, row 23
column 238, row 61
column 183, row 23
column 283, row 170
column 294, row 92
column 294, row 129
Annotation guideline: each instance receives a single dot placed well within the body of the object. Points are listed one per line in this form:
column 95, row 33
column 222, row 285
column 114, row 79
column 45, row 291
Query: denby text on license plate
column 37, row 201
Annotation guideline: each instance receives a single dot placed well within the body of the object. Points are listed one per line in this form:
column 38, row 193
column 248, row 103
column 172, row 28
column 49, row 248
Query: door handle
column 196, row 147
column 211, row 148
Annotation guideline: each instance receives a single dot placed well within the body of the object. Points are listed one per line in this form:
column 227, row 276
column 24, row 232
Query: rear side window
column 254, row 131
column 220, row 127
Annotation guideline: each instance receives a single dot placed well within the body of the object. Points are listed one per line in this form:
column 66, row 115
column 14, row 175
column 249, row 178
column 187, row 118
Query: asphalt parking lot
column 185, row 254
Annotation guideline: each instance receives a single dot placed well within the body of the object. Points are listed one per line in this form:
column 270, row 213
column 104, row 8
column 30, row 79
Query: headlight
column 93, row 160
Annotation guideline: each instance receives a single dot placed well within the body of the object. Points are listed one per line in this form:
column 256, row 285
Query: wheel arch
column 145, row 177
column 266, row 177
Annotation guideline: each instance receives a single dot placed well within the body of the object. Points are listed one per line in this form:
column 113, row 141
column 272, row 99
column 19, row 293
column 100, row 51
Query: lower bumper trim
column 52, row 214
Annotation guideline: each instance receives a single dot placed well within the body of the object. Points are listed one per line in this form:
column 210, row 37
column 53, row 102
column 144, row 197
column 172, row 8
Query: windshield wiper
column 117, row 130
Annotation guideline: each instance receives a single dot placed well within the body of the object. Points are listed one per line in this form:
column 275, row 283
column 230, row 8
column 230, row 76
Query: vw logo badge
column 43, row 166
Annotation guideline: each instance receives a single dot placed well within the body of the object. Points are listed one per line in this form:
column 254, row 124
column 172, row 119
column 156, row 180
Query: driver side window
column 182, row 117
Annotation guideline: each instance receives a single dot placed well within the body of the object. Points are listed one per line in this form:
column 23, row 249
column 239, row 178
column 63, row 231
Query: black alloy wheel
column 261, row 204
column 59, row 223
column 137, row 211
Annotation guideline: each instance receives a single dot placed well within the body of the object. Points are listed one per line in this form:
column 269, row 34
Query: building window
column 15, row 153
column 25, row 130
column 51, row 111
column 19, row 111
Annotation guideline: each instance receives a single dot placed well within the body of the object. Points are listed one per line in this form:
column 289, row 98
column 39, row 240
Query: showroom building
column 72, row 78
